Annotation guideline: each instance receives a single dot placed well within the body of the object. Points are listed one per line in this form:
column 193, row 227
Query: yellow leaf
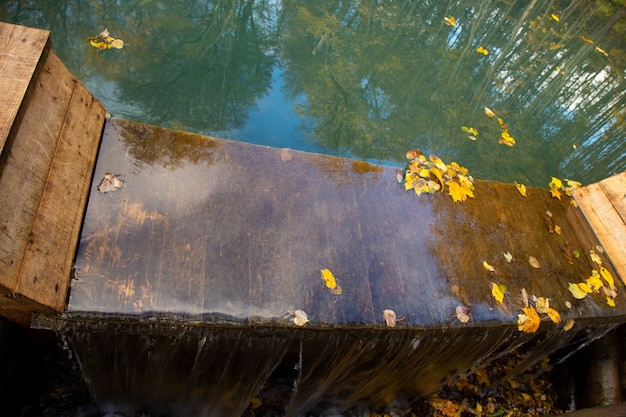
column 610, row 301
column 602, row 51
column 117, row 43
column 542, row 305
column 438, row 162
column 450, row 21
column 573, row 184
column 594, row 281
column 555, row 193
column 329, row 278
column 488, row 267
column 576, row 291
column 569, row 323
column 554, row 315
column 424, row 173
column 555, row 17
column 586, row 39
column 607, row 276
column 498, row 292
column 488, row 112
column 458, row 192
column 506, row 139
column 595, row 257
column 584, row 287
column 555, row 183
column 521, row 188
column 557, row 229
column 255, row 403
column 529, row 321
column 533, row 262
column 482, row 50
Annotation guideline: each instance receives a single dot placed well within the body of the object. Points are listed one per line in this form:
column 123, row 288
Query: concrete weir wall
column 199, row 258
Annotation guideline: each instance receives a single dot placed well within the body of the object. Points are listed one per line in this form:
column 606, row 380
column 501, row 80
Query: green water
column 369, row 79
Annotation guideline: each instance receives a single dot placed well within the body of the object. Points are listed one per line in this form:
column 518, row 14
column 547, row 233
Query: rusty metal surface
column 223, row 231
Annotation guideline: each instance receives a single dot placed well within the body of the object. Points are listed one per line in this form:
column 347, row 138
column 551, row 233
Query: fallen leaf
column 549, row 221
column 498, row 290
column 450, row 21
column 506, row 139
column 555, row 183
column 255, row 403
column 594, row 281
column 529, row 321
column 610, row 301
column 488, row 267
column 576, row 291
column 595, row 257
column 508, row 257
column 584, row 287
column 488, row 112
column 525, row 297
column 390, row 317
column 521, row 188
column 554, row 315
column 557, row 229
column 607, row 276
column 586, row 39
column 602, row 51
column 569, row 323
column 329, row 278
column 533, row 262
column 555, row 17
column 542, row 305
column 458, row 192
column 555, row 193
column 300, row 318
column 462, row 313
column 482, row 50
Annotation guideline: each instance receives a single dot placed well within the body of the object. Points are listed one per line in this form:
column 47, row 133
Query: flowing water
column 365, row 79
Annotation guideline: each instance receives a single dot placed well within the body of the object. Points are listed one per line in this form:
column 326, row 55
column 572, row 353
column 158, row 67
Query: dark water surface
column 365, row 79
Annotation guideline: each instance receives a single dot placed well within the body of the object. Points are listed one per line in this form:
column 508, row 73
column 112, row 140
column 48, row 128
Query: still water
column 365, row 79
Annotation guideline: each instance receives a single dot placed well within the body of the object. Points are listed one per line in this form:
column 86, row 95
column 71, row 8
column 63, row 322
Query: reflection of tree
column 383, row 77
column 196, row 64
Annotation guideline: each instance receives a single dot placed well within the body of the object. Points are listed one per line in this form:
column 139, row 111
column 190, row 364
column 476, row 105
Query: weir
column 198, row 256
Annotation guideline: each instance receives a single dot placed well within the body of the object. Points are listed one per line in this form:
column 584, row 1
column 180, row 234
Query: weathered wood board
column 604, row 207
column 21, row 51
column 222, row 231
column 46, row 169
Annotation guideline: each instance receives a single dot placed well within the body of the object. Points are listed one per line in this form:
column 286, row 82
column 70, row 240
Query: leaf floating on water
column 110, row 183
column 529, row 321
column 506, row 139
column 488, row 267
column 533, row 262
column 555, row 17
column 587, row 40
column 602, row 51
column 489, row 112
column 462, row 313
column 390, row 317
column 521, row 188
column 498, row 290
column 482, row 50
column 300, row 318
column 105, row 41
column 555, row 194
column 450, row 21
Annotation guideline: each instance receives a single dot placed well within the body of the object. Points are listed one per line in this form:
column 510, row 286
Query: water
column 368, row 80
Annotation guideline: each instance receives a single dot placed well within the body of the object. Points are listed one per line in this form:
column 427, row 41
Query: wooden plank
column 600, row 211
column 27, row 166
column 615, row 189
column 21, row 50
column 45, row 271
column 614, row 410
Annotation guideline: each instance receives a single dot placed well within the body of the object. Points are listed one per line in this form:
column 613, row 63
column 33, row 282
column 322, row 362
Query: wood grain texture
column 21, row 51
column 228, row 232
column 47, row 167
column 603, row 205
